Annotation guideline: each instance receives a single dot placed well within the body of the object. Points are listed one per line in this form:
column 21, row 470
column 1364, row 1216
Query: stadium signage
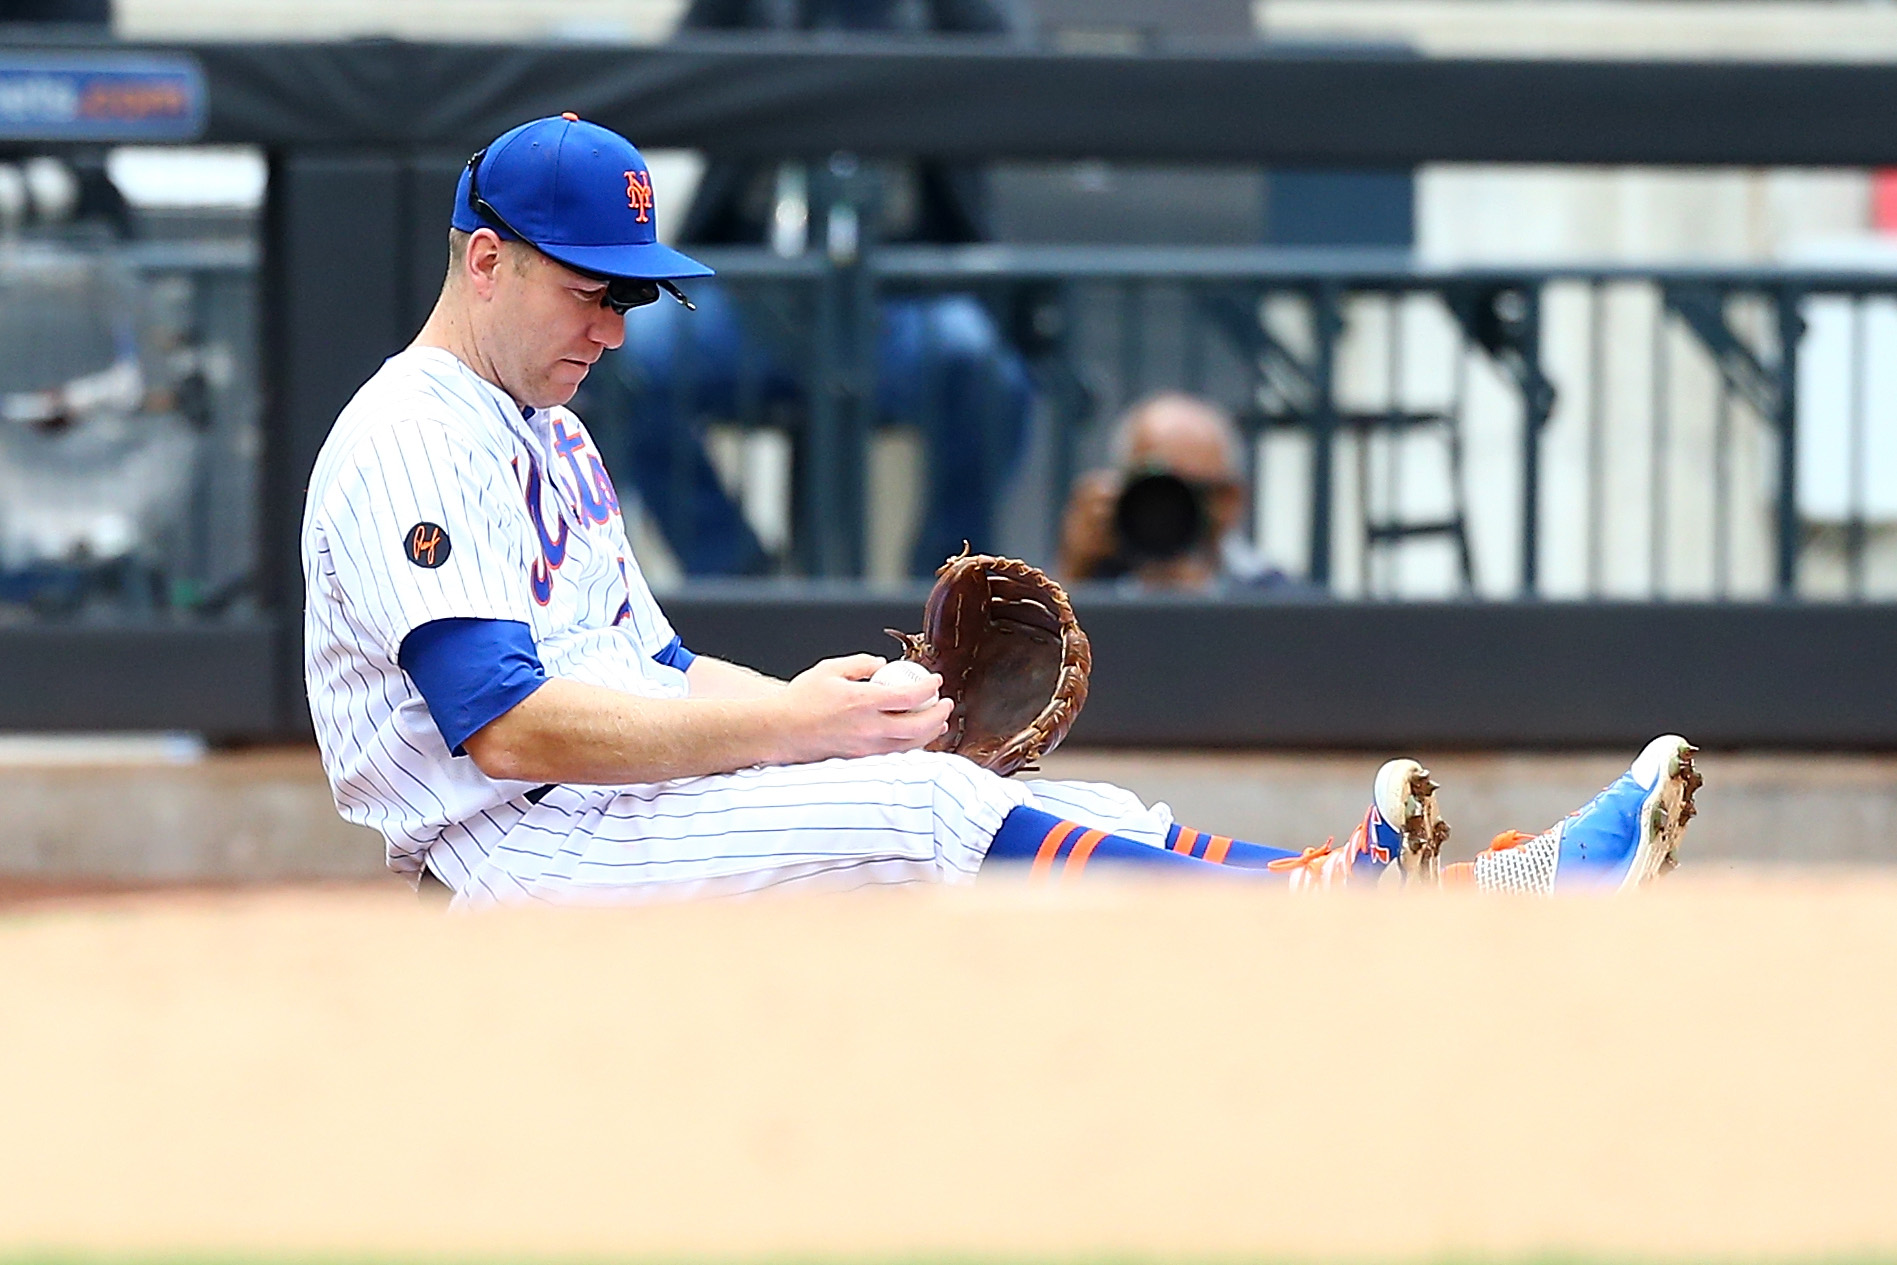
column 63, row 95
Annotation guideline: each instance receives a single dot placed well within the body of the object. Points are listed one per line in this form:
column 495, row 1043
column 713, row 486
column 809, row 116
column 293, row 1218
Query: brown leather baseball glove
column 1011, row 656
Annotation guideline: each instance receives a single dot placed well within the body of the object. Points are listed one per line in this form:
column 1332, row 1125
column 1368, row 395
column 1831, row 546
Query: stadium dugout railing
column 1597, row 432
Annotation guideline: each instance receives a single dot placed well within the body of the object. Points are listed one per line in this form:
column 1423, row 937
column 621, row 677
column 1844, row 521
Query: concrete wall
column 78, row 812
column 266, row 816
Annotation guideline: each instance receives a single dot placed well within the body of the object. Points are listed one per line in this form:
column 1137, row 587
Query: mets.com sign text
column 62, row 95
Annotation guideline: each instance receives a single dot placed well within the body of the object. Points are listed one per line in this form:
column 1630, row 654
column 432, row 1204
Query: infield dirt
column 1703, row 1071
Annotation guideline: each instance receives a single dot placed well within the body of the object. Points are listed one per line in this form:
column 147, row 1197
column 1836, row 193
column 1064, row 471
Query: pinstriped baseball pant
column 917, row 817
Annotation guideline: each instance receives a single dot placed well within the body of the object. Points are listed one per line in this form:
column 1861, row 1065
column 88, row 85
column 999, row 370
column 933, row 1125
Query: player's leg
column 912, row 818
column 1402, row 827
column 1155, row 838
column 1043, row 845
column 917, row 817
column 920, row 817
column 1625, row 836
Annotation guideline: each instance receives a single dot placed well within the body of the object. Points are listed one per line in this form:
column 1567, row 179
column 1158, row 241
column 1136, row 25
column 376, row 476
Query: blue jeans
column 941, row 365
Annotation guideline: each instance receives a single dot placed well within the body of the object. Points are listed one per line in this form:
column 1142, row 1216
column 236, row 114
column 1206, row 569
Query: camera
column 1161, row 516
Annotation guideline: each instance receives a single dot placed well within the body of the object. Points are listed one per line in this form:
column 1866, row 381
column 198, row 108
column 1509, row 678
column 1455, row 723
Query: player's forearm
column 581, row 734
column 715, row 678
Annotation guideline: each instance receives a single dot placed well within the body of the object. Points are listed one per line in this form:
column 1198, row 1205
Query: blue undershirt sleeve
column 675, row 655
column 470, row 671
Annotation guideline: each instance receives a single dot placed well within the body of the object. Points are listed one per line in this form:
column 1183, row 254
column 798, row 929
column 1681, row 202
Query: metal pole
column 1326, row 326
column 1596, row 434
column 1791, row 328
column 858, row 404
column 1722, row 494
column 842, row 371
column 1537, row 405
column 1854, row 515
column 1066, row 404
column 818, row 508
column 1658, row 436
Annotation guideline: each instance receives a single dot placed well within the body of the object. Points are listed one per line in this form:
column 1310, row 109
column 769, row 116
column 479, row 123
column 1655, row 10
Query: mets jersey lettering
column 598, row 502
column 552, row 545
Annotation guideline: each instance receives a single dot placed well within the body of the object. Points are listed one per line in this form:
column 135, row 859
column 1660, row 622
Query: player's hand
column 834, row 709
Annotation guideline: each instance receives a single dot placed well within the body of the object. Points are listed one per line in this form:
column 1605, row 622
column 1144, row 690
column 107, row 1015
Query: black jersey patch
column 426, row 545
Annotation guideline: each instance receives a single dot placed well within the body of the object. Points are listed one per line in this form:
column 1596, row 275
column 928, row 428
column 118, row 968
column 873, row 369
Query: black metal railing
column 1409, row 431
column 1606, row 432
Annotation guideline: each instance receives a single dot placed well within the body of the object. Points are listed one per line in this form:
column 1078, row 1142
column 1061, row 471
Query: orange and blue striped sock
column 1222, row 849
column 1052, row 846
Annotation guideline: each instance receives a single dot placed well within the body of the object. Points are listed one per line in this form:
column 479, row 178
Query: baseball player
column 496, row 691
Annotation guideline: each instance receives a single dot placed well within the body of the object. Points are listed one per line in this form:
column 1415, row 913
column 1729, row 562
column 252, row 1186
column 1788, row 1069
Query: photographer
column 1166, row 516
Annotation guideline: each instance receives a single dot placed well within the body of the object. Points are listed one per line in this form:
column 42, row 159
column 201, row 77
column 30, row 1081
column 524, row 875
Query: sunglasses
column 622, row 293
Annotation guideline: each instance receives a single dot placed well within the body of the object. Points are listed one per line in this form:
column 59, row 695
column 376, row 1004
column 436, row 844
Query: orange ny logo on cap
column 639, row 194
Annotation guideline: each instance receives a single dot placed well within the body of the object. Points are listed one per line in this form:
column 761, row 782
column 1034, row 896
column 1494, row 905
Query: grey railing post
column 842, row 371
column 1537, row 405
column 1055, row 315
column 1326, row 326
column 1791, row 329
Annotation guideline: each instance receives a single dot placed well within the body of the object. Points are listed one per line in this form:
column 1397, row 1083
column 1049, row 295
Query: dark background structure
column 978, row 98
column 365, row 140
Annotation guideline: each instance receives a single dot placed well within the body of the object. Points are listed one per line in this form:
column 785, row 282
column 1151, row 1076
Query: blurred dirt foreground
column 1703, row 1071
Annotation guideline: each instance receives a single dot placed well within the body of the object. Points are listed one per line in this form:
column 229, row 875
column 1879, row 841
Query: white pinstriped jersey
column 435, row 497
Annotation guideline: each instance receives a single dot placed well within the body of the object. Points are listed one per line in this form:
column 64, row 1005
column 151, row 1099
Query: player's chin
column 565, row 379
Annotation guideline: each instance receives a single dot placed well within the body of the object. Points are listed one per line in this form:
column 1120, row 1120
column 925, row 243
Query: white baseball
column 903, row 672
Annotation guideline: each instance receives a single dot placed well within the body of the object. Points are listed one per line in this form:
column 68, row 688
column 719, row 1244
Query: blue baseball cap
column 575, row 191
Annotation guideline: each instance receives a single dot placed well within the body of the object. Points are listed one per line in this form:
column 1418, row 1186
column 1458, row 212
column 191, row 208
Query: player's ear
column 482, row 262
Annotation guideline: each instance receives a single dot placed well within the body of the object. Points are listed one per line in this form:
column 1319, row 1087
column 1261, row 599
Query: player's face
column 552, row 328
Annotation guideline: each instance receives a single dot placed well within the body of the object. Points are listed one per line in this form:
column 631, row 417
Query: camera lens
column 1159, row 516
